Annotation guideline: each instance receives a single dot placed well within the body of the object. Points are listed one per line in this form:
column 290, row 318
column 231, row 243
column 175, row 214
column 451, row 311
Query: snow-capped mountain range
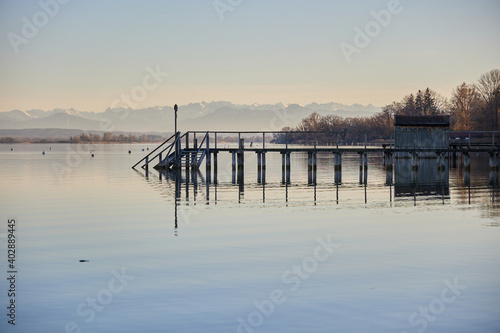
column 222, row 116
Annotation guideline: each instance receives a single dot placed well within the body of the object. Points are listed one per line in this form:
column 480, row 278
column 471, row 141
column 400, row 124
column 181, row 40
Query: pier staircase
column 191, row 158
column 171, row 155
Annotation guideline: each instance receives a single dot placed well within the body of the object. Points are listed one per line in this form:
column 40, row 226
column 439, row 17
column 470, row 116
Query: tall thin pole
column 175, row 109
column 176, row 136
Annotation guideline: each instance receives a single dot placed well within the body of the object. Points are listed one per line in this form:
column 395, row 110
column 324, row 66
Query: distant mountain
column 58, row 120
column 211, row 116
column 58, row 133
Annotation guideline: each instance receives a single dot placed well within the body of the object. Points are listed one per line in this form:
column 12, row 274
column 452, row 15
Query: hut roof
column 422, row 121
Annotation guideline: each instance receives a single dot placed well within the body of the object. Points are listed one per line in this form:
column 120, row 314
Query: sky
column 91, row 55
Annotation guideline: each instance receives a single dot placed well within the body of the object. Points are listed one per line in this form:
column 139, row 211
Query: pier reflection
column 394, row 182
column 424, row 177
column 403, row 181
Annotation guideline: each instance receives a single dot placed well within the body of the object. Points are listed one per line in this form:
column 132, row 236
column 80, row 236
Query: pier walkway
column 190, row 149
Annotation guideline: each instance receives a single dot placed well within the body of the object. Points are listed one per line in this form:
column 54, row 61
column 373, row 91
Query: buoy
column 147, row 148
column 92, row 155
column 43, row 152
column 11, row 149
column 129, row 152
column 142, row 149
column 83, row 260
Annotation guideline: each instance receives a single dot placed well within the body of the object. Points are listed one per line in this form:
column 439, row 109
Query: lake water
column 252, row 258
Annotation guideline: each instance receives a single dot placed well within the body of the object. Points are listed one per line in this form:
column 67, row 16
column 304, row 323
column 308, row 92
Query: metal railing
column 146, row 158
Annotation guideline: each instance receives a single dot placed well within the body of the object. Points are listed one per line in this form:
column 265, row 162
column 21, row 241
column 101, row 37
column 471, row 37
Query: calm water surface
column 226, row 258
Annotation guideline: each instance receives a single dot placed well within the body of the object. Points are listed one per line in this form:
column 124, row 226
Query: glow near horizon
column 90, row 52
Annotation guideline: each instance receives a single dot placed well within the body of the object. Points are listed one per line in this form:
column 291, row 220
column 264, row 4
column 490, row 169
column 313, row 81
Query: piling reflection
column 405, row 176
column 420, row 177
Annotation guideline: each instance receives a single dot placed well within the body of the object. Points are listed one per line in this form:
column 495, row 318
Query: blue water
column 243, row 261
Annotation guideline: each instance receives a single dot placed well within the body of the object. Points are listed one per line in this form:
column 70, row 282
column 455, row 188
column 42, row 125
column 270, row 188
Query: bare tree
column 488, row 87
column 464, row 107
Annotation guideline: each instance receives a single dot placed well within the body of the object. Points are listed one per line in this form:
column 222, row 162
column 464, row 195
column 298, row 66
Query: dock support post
column 259, row 167
column 360, row 167
column 241, row 156
column 467, row 167
column 147, row 163
column 187, row 140
column 338, row 167
column 208, row 162
column 414, row 161
column 454, row 158
column 315, row 166
column 365, row 173
column 215, row 167
column 493, row 161
column 283, row 167
column 288, row 168
column 193, row 156
column 188, row 173
column 263, row 167
column 233, row 153
column 493, row 168
column 241, row 161
column 466, row 160
column 310, row 168
column 388, row 177
column 389, row 164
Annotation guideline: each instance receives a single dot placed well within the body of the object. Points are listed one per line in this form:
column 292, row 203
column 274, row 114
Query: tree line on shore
column 472, row 107
column 107, row 137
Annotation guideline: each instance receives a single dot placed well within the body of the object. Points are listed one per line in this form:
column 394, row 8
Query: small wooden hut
column 427, row 132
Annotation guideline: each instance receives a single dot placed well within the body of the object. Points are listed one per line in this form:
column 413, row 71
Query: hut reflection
column 421, row 177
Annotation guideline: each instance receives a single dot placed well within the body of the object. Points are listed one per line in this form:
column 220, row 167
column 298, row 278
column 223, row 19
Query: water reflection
column 426, row 177
column 423, row 181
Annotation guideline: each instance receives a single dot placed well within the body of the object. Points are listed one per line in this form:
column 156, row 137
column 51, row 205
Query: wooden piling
column 454, row 158
column 414, row 161
column 215, row 168
column 208, row 161
column 259, row 167
column 314, row 162
column 233, row 165
column 389, row 161
column 309, row 162
column 338, row 167
column 467, row 168
column 288, row 168
column 360, row 167
column 263, row 167
column 365, row 167
column 466, row 155
column 493, row 161
column 241, row 156
column 283, row 167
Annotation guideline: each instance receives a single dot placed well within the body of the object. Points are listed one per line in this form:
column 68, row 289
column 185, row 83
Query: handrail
column 172, row 145
column 147, row 156
column 199, row 148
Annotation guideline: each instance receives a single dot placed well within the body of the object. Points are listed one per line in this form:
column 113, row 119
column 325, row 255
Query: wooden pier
column 189, row 150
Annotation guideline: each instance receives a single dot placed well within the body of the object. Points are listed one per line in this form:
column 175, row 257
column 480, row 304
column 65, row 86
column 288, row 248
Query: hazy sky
column 87, row 54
